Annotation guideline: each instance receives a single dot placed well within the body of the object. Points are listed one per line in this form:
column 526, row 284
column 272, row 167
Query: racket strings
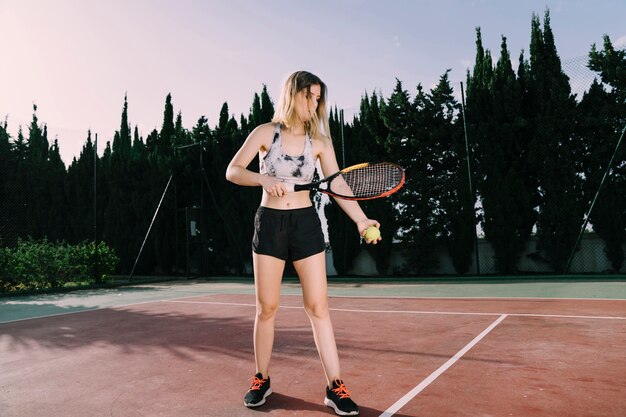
column 369, row 181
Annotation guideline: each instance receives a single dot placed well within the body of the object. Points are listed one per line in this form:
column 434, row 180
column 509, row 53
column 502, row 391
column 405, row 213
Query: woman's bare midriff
column 300, row 199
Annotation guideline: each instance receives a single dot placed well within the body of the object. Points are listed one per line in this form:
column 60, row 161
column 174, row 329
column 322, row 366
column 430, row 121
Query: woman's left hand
column 363, row 225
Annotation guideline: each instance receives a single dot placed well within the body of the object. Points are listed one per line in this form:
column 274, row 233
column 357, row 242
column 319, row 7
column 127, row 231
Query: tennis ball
column 372, row 233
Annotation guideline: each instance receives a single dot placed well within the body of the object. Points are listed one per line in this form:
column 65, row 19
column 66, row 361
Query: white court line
column 100, row 307
column 411, row 394
column 181, row 300
column 83, row 310
column 51, row 315
column 451, row 313
column 428, row 297
column 461, row 313
column 566, row 316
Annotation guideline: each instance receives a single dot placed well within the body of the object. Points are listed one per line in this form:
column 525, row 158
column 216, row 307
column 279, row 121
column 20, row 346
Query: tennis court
column 184, row 348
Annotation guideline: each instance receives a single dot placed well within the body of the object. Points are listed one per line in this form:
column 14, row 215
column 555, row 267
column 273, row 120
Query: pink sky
column 77, row 59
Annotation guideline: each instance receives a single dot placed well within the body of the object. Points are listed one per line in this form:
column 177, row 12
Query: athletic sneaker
column 338, row 398
column 258, row 392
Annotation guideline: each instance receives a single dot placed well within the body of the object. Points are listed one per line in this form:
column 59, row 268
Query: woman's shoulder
column 322, row 140
column 263, row 134
column 321, row 144
column 264, row 128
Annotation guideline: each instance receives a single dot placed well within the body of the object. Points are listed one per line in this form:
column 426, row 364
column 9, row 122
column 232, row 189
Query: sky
column 77, row 59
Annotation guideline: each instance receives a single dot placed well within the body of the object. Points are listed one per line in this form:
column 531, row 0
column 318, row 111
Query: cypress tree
column 229, row 205
column 35, row 179
column 56, row 197
column 80, row 194
column 224, row 116
column 506, row 187
column 262, row 110
column 342, row 235
column 244, row 125
column 5, row 143
column 603, row 116
column 610, row 63
column 139, row 149
column 7, row 171
column 161, row 164
column 453, row 204
column 122, row 141
column 267, row 106
column 255, row 112
column 409, row 144
column 167, row 135
column 19, row 200
column 596, row 126
column 562, row 206
column 120, row 215
column 370, row 145
column 182, row 135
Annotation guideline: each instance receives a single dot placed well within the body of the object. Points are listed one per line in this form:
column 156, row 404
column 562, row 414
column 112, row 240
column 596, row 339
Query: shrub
column 41, row 264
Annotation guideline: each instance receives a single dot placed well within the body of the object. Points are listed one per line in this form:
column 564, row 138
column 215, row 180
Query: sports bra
column 298, row 169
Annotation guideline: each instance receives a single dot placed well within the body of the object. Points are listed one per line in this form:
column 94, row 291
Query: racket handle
column 291, row 188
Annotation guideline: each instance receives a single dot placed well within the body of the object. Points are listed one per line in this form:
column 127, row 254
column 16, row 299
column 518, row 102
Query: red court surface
column 193, row 356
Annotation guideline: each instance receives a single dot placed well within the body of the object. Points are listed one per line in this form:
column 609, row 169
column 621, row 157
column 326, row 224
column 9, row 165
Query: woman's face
column 307, row 102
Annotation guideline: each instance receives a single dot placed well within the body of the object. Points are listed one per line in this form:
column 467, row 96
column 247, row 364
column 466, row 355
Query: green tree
column 80, row 196
column 371, row 145
column 119, row 215
column 18, row 180
column 267, row 106
column 557, row 152
column 342, row 236
column 363, row 141
column 611, row 64
column 603, row 119
column 255, row 111
column 507, row 188
column 453, row 203
column 410, row 144
column 167, row 135
column 36, row 179
column 262, row 109
column 230, row 208
column 161, row 165
column 596, row 126
column 8, row 165
column 55, row 195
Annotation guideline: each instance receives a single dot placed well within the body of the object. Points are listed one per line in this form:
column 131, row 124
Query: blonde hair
column 285, row 112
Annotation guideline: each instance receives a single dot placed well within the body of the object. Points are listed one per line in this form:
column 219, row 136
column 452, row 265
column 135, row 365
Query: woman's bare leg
column 268, row 274
column 312, row 273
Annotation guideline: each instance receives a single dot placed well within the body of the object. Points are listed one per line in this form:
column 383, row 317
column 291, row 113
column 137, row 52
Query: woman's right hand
column 273, row 187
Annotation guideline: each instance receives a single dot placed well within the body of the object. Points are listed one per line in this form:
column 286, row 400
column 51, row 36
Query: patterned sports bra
column 298, row 169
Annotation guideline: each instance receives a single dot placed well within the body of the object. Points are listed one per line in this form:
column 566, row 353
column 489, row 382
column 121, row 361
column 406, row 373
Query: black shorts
column 288, row 234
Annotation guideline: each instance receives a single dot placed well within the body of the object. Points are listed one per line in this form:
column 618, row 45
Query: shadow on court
column 280, row 402
column 115, row 358
column 130, row 330
column 136, row 331
column 193, row 356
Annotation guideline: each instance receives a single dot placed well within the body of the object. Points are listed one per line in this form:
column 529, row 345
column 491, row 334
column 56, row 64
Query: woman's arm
column 238, row 172
column 328, row 162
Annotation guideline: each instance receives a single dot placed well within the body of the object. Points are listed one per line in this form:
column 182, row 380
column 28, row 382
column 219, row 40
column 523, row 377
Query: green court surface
column 21, row 307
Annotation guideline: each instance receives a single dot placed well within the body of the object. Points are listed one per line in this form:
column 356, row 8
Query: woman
column 287, row 227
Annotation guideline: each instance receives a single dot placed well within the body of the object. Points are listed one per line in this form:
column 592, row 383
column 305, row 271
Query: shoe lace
column 256, row 383
column 341, row 390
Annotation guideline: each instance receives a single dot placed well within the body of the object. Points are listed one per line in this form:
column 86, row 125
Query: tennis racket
column 359, row 182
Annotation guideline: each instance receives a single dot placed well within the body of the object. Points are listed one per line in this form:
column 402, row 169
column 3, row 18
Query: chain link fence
column 24, row 217
column 590, row 256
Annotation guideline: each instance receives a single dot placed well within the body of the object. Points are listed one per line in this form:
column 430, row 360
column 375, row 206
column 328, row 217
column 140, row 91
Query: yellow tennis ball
column 372, row 233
